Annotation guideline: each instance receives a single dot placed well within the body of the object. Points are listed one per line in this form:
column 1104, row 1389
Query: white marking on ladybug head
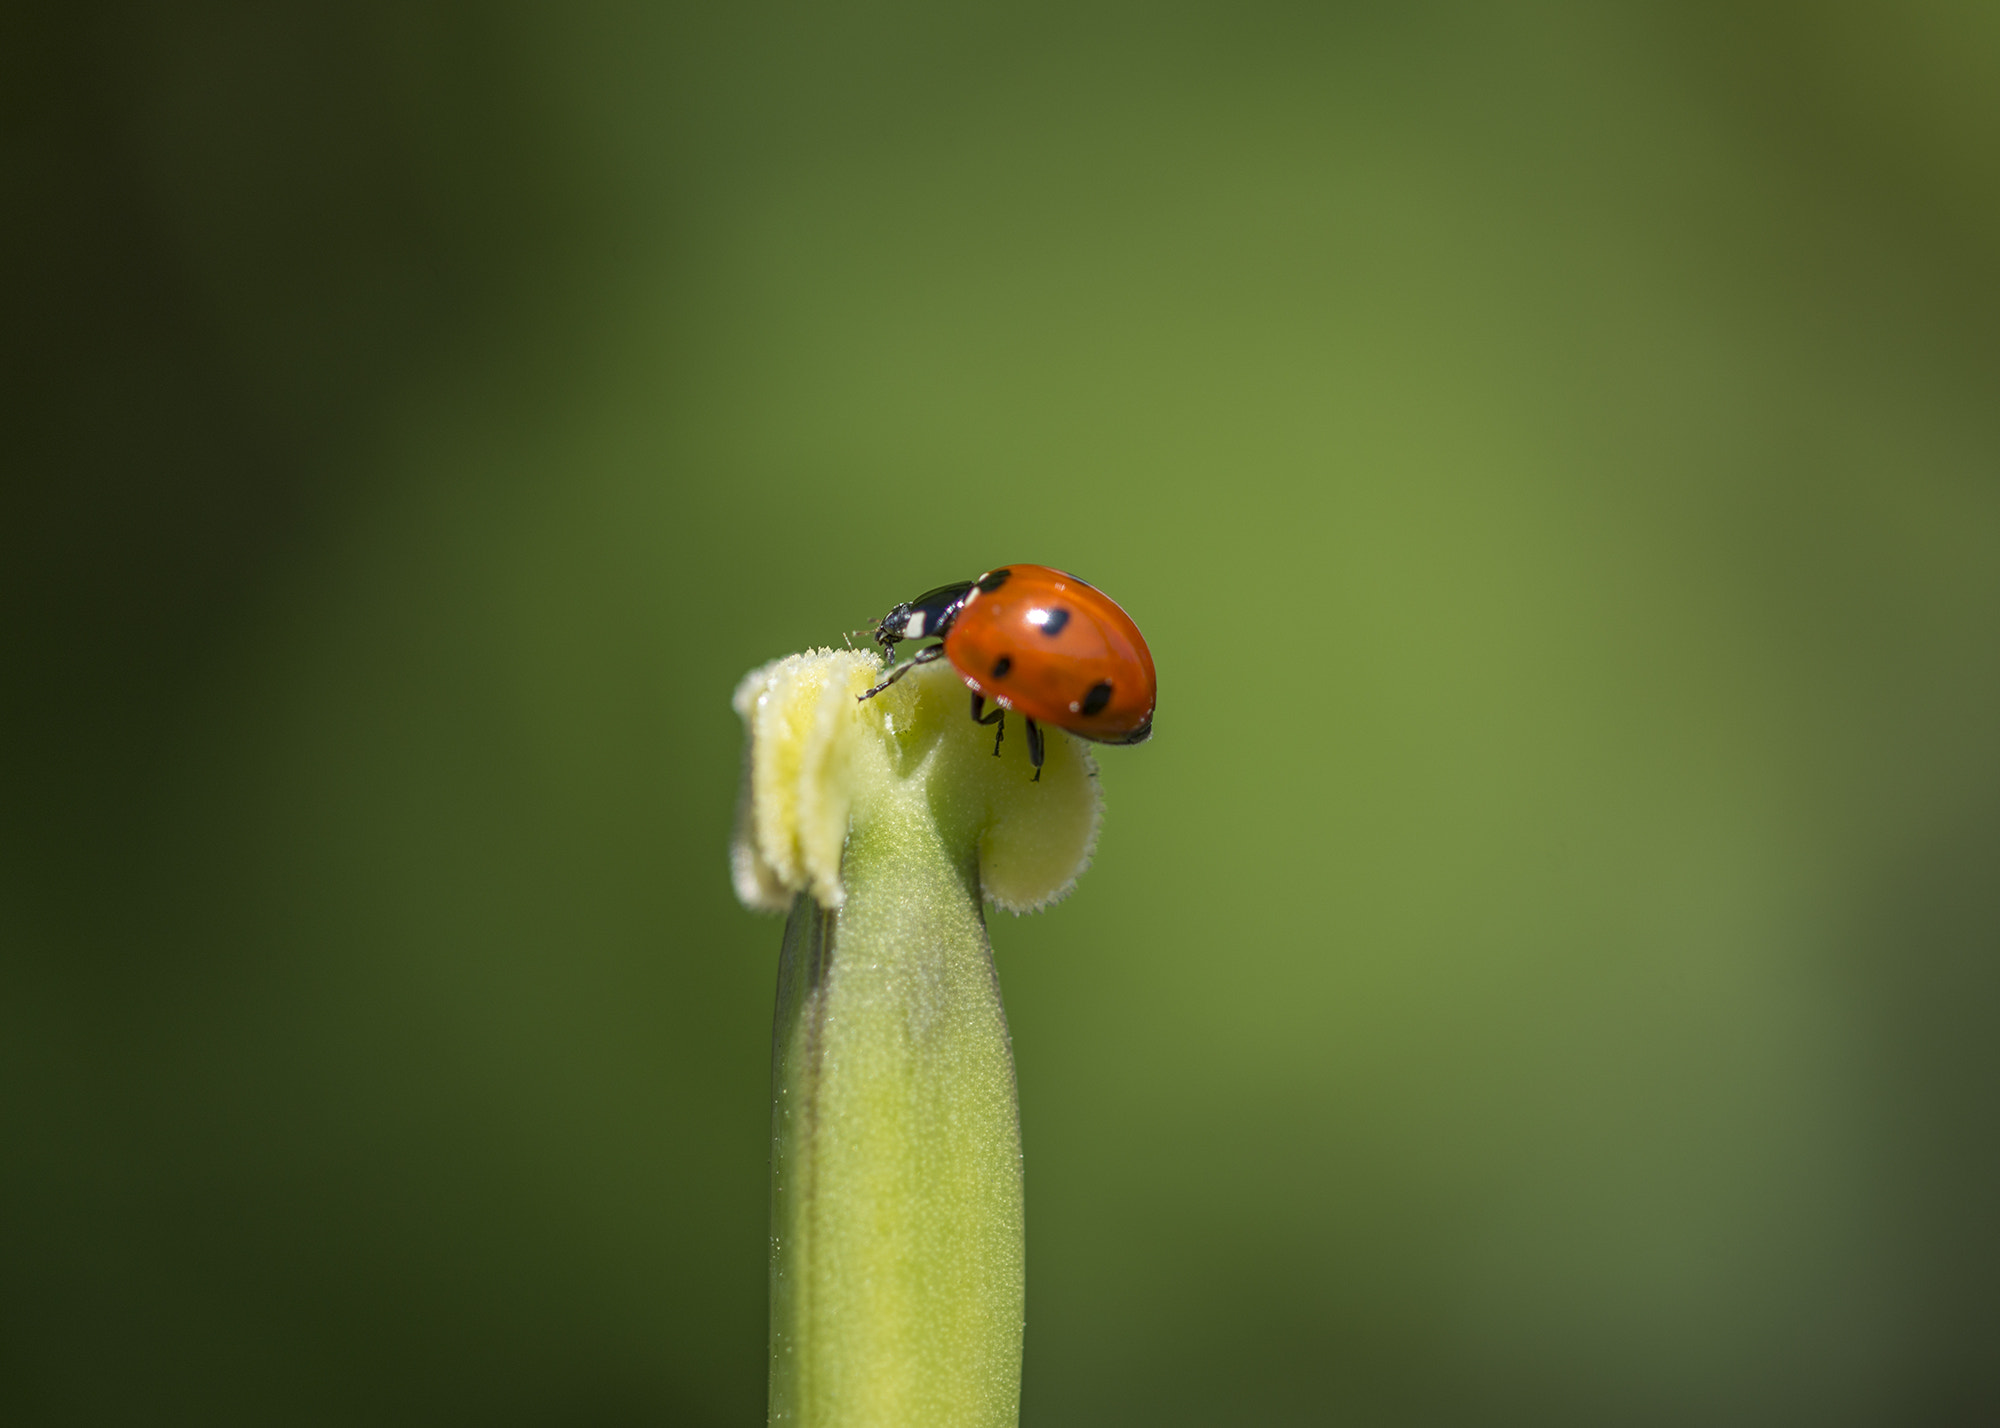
column 913, row 628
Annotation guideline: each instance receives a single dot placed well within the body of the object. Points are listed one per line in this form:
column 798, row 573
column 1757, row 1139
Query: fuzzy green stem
column 897, row 1235
column 885, row 820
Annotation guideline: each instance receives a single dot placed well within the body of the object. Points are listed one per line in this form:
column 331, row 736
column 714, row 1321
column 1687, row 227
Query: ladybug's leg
column 998, row 718
column 1035, row 749
column 922, row 656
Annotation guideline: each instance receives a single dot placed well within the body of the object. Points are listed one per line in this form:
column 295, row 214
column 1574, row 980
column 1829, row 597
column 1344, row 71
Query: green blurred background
column 1543, row 970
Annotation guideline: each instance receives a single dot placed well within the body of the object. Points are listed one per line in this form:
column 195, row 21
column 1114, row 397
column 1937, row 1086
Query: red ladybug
column 1044, row 644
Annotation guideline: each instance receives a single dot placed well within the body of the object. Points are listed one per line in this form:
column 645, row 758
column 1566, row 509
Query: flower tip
column 817, row 760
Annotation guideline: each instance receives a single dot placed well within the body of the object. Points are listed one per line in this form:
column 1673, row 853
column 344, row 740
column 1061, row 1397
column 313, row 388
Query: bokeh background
column 1543, row 970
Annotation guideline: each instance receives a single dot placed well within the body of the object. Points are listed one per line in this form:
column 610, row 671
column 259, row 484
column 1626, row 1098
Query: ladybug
column 1051, row 647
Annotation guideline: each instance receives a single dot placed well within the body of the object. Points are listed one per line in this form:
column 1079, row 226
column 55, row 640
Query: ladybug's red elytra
column 1050, row 647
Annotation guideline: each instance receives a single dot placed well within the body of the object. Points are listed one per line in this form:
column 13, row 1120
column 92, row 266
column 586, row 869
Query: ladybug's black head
column 891, row 627
column 926, row 617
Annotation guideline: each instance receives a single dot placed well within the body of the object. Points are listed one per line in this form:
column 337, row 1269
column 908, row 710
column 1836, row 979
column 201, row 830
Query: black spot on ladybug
column 1099, row 696
column 1058, row 617
column 993, row 579
column 1002, row 665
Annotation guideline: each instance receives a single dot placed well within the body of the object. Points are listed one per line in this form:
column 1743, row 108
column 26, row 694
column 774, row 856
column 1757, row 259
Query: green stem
column 897, row 1237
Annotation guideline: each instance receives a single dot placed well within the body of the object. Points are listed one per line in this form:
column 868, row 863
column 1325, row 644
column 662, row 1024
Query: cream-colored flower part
column 821, row 763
